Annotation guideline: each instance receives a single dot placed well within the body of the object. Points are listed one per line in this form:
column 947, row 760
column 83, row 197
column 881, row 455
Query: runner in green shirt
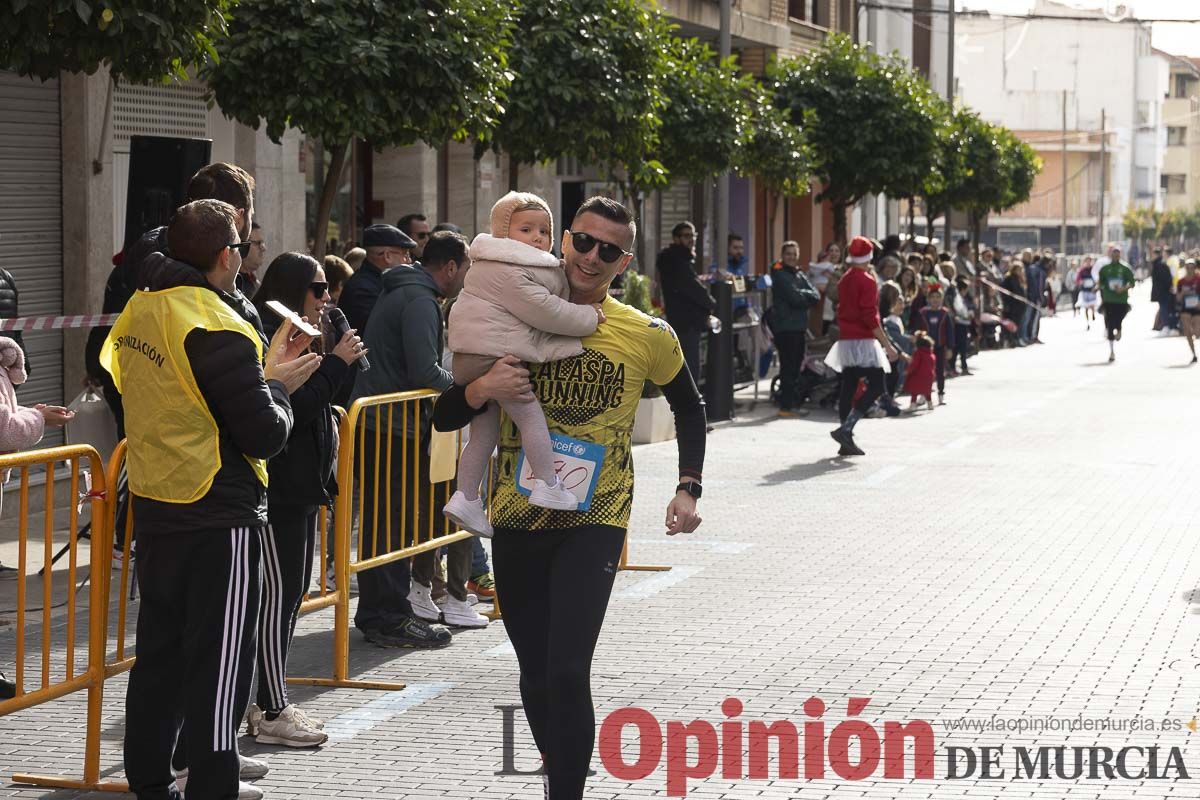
column 1116, row 279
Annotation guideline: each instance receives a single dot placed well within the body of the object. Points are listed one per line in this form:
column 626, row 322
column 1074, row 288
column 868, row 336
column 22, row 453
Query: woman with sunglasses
column 301, row 480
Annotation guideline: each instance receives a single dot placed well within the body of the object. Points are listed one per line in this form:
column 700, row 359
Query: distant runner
column 1116, row 279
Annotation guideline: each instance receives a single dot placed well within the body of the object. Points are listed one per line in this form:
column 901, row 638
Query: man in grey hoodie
column 405, row 335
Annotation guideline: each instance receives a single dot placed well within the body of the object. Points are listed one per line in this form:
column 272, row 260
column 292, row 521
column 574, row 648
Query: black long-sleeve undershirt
column 452, row 411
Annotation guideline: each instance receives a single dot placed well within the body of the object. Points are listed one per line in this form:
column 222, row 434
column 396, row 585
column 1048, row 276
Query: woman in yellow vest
column 301, row 481
column 203, row 412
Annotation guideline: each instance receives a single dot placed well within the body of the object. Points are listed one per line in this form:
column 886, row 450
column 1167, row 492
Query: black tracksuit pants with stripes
column 196, row 632
column 287, row 570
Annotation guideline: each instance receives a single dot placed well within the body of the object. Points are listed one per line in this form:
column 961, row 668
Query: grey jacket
column 406, row 337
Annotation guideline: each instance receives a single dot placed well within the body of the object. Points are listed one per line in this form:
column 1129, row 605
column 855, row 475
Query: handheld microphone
column 340, row 324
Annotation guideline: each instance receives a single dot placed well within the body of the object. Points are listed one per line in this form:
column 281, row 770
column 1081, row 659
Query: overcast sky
column 1179, row 38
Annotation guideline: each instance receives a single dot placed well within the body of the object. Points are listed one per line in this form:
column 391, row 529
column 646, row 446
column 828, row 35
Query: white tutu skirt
column 857, row 353
column 1088, row 299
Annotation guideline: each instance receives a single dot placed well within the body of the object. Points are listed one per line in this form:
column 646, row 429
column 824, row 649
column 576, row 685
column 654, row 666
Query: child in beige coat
column 514, row 301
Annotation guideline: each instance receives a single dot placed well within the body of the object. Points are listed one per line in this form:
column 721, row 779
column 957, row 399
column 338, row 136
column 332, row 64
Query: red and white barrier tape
column 57, row 323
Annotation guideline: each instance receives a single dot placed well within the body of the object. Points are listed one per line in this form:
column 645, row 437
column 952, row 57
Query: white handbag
column 93, row 423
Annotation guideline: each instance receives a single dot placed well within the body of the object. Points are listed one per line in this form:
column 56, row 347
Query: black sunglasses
column 243, row 248
column 319, row 288
column 583, row 242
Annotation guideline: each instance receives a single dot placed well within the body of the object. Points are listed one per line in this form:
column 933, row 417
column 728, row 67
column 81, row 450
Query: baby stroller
column 818, row 383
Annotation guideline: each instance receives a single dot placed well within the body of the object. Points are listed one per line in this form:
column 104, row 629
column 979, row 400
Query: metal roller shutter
column 31, row 223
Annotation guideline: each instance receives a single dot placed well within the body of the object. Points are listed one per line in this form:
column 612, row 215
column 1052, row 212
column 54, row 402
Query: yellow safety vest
column 173, row 443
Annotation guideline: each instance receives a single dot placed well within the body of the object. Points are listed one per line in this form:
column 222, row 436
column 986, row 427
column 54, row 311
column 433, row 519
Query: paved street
column 1029, row 551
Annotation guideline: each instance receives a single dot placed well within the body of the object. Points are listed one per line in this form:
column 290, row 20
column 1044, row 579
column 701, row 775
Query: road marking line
column 653, row 585
column 960, row 442
column 991, row 427
column 719, row 547
column 885, row 474
column 502, row 649
column 351, row 723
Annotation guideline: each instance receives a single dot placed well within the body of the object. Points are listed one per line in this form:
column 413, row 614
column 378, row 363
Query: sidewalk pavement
column 1025, row 554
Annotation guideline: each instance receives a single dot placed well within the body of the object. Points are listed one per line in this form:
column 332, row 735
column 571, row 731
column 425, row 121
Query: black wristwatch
column 691, row 487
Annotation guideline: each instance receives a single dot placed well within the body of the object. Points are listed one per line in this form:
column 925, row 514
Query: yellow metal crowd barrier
column 400, row 511
column 57, row 680
column 422, row 483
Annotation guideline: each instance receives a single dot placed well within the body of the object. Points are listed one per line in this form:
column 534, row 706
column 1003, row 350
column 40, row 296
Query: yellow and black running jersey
column 589, row 401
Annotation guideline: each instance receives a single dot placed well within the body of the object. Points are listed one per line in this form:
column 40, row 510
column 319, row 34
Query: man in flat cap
column 387, row 246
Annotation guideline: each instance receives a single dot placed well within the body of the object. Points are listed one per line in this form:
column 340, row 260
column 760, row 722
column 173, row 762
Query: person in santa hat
column 863, row 351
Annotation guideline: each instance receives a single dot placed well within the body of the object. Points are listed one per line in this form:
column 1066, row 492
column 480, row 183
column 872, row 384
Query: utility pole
column 725, row 48
column 1103, row 180
column 1062, row 233
column 718, row 384
column 949, row 95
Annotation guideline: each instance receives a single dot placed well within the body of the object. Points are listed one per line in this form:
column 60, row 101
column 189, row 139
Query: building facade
column 1181, row 130
column 1016, row 72
column 64, row 157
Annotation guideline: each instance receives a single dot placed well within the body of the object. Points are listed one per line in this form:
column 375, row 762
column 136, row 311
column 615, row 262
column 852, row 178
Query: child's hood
column 488, row 248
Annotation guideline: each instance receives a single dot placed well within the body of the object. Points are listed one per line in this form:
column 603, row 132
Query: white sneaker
column 472, row 599
column 468, row 515
column 460, row 615
column 250, row 769
column 246, row 791
column 421, row 599
column 292, row 728
column 555, row 497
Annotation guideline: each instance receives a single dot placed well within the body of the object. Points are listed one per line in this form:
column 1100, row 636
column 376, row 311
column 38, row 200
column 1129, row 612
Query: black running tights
column 554, row 588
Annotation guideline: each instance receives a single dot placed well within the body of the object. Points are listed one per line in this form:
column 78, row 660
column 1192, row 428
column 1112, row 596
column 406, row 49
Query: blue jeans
column 479, row 559
column 1029, row 324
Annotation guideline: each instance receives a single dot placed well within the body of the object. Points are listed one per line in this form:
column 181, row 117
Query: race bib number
column 577, row 464
column 1089, row 284
column 1191, row 301
column 1116, row 284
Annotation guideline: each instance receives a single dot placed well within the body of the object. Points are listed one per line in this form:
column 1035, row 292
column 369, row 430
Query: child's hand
column 600, row 318
column 54, row 416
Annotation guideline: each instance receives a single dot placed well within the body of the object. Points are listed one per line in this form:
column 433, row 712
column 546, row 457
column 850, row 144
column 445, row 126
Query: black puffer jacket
column 253, row 416
column 10, row 308
column 303, row 474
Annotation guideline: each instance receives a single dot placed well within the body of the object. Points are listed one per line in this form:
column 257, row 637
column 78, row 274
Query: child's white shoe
column 552, row 496
column 468, row 515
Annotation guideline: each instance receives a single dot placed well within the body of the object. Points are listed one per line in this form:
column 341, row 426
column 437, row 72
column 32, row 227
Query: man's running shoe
column 246, row 791
column 410, row 632
column 482, row 586
column 292, row 728
column 250, row 769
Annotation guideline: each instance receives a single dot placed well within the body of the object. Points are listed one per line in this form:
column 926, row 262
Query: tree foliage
column 140, row 40
column 981, row 169
column 777, row 155
column 1140, row 223
column 707, row 117
column 392, row 73
column 777, row 152
column 585, row 82
column 872, row 127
